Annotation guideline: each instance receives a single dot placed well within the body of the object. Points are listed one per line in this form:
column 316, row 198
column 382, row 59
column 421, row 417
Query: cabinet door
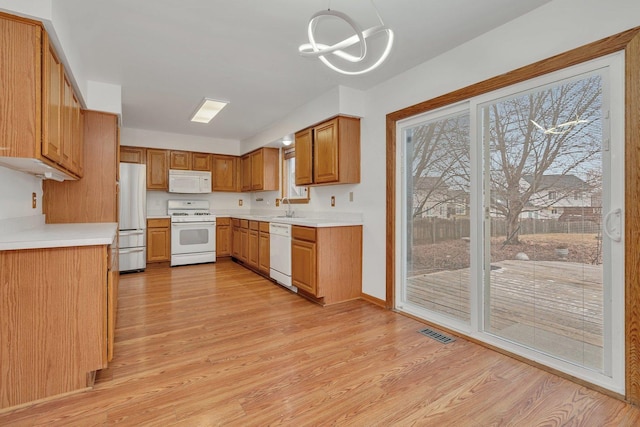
column 257, row 170
column 304, row 157
column 246, row 172
column 200, row 161
column 77, row 140
column 264, row 252
column 325, row 152
column 132, row 155
column 303, row 266
column 52, row 102
column 158, row 244
column 244, row 244
column 223, row 240
column 67, row 119
column 254, row 249
column 223, row 173
column 157, row 169
column 236, row 245
column 22, row 58
column 180, row 160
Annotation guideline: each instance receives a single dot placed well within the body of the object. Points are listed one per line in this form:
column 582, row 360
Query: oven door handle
column 191, row 224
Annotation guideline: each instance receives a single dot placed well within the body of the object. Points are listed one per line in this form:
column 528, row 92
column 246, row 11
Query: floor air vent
column 444, row 339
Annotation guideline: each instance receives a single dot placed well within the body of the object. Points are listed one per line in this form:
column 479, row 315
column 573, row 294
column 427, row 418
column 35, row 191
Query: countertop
column 60, row 235
column 304, row 221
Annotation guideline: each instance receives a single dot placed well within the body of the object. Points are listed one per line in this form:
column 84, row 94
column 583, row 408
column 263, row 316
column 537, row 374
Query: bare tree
column 439, row 162
column 556, row 131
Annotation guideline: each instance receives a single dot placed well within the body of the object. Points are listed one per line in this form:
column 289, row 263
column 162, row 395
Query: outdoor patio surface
column 554, row 306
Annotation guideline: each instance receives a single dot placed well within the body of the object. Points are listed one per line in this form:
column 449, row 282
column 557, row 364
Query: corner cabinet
column 223, row 173
column 329, row 153
column 326, row 263
column 260, row 170
column 40, row 110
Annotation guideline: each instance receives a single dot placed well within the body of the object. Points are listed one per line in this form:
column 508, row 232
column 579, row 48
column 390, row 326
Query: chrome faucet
column 289, row 213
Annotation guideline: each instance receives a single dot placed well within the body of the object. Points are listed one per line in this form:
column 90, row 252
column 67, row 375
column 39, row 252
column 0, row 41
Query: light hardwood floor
column 218, row 345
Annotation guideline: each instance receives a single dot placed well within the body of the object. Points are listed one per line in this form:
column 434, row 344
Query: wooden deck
column 551, row 305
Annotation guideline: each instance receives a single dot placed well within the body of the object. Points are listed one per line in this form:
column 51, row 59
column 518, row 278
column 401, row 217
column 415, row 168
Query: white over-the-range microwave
column 181, row 181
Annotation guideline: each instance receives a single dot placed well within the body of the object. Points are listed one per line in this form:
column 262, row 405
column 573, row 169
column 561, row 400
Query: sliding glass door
column 512, row 226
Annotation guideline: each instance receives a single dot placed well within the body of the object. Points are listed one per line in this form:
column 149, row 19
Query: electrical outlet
column 333, row 201
column 239, row 202
column 351, row 196
column 34, row 200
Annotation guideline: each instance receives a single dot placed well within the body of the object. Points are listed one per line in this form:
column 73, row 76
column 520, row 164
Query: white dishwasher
column 280, row 254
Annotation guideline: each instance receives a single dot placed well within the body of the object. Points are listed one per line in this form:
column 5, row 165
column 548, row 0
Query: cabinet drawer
column 253, row 225
column 244, row 223
column 303, row 233
column 158, row 223
column 235, row 222
column 223, row 221
column 264, row 227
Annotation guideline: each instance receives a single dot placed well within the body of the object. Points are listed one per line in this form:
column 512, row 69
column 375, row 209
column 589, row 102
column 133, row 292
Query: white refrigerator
column 133, row 217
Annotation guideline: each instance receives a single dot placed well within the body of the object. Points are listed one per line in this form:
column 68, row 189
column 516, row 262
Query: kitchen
column 363, row 199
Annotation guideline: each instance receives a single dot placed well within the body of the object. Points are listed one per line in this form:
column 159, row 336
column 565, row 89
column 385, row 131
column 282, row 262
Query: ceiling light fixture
column 314, row 49
column 286, row 141
column 208, row 110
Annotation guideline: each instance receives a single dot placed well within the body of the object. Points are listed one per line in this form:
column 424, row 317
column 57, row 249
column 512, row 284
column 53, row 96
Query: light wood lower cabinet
column 53, row 321
column 326, row 262
column 264, row 248
column 253, row 245
column 223, row 237
column 250, row 244
column 158, row 240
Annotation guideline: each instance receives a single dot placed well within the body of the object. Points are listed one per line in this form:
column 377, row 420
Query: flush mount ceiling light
column 287, row 140
column 314, row 49
column 207, row 110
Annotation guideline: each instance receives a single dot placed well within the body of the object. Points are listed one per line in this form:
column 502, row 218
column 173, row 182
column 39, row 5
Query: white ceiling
column 168, row 54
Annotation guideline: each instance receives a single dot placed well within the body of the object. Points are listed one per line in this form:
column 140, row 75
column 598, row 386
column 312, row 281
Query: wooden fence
column 433, row 230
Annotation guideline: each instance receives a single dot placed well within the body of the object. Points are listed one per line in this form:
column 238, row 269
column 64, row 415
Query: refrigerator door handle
column 130, row 251
column 131, row 232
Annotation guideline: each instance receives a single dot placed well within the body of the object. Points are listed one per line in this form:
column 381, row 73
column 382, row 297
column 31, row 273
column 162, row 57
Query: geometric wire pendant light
column 322, row 51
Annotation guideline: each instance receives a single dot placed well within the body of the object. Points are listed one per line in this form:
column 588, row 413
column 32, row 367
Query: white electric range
column 193, row 232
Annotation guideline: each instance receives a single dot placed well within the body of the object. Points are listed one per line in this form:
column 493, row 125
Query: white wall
column 154, row 139
column 554, row 28
column 15, row 194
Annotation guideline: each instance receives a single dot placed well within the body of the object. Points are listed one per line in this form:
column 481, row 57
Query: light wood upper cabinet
column 52, row 105
column 133, row 155
column 157, row 169
column 329, row 153
column 180, row 160
column 223, row 172
column 20, row 80
column 200, row 162
column 304, row 157
column 245, row 163
column 158, row 240
column 260, row 170
column 35, row 120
